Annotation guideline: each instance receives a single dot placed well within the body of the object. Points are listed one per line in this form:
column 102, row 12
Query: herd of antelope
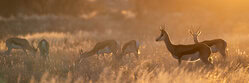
column 191, row 52
column 19, row 43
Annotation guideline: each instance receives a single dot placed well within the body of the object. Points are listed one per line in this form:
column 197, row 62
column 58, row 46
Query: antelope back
column 131, row 46
column 111, row 45
column 23, row 43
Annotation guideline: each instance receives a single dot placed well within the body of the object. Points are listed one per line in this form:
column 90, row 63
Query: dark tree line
column 74, row 7
column 27, row 7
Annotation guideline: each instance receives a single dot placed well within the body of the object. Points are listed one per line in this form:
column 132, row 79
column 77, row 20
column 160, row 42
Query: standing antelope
column 192, row 52
column 43, row 46
column 216, row 45
column 18, row 43
column 109, row 46
column 131, row 47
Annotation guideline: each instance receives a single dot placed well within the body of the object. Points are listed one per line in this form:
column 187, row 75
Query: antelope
column 109, row 46
column 43, row 47
column 216, row 45
column 18, row 43
column 191, row 52
column 131, row 47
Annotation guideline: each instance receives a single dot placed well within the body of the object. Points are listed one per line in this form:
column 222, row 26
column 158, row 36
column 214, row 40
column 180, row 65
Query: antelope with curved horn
column 109, row 46
column 216, row 45
column 131, row 47
column 18, row 43
column 192, row 52
column 43, row 47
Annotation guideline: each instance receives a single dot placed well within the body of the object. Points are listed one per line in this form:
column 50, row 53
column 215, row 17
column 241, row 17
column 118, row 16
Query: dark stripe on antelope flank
column 105, row 50
column 194, row 54
column 214, row 49
column 16, row 46
column 191, row 57
column 187, row 49
column 190, row 49
column 195, row 49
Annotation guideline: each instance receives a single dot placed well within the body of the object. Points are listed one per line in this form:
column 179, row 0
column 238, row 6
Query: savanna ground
column 155, row 64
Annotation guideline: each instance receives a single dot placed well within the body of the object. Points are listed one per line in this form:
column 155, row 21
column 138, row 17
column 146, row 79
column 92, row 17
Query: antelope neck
column 196, row 40
column 168, row 44
column 92, row 52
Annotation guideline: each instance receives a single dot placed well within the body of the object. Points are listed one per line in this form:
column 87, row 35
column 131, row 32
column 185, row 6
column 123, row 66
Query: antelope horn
column 190, row 31
column 198, row 29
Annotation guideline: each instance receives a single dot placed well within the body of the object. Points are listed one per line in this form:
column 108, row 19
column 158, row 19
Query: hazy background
column 226, row 16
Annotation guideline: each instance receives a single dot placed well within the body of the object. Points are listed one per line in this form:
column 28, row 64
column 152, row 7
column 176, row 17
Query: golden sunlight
column 124, row 41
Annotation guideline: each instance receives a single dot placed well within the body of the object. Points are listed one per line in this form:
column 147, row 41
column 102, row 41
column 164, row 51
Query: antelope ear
column 81, row 51
column 161, row 28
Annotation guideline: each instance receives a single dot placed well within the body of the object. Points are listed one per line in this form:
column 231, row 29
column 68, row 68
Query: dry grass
column 154, row 66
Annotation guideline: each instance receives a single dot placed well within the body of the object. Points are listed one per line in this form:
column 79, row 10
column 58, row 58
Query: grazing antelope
column 192, row 52
column 18, row 43
column 131, row 47
column 43, row 47
column 109, row 46
column 216, row 45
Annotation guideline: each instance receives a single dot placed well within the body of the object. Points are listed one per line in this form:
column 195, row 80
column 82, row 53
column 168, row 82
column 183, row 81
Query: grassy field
column 155, row 64
column 78, row 25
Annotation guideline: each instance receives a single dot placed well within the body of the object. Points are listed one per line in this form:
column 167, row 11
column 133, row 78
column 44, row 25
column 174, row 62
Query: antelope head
column 196, row 33
column 163, row 34
column 33, row 50
column 82, row 53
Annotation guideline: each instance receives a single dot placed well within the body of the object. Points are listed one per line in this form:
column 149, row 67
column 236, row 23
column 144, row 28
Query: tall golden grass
column 155, row 64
